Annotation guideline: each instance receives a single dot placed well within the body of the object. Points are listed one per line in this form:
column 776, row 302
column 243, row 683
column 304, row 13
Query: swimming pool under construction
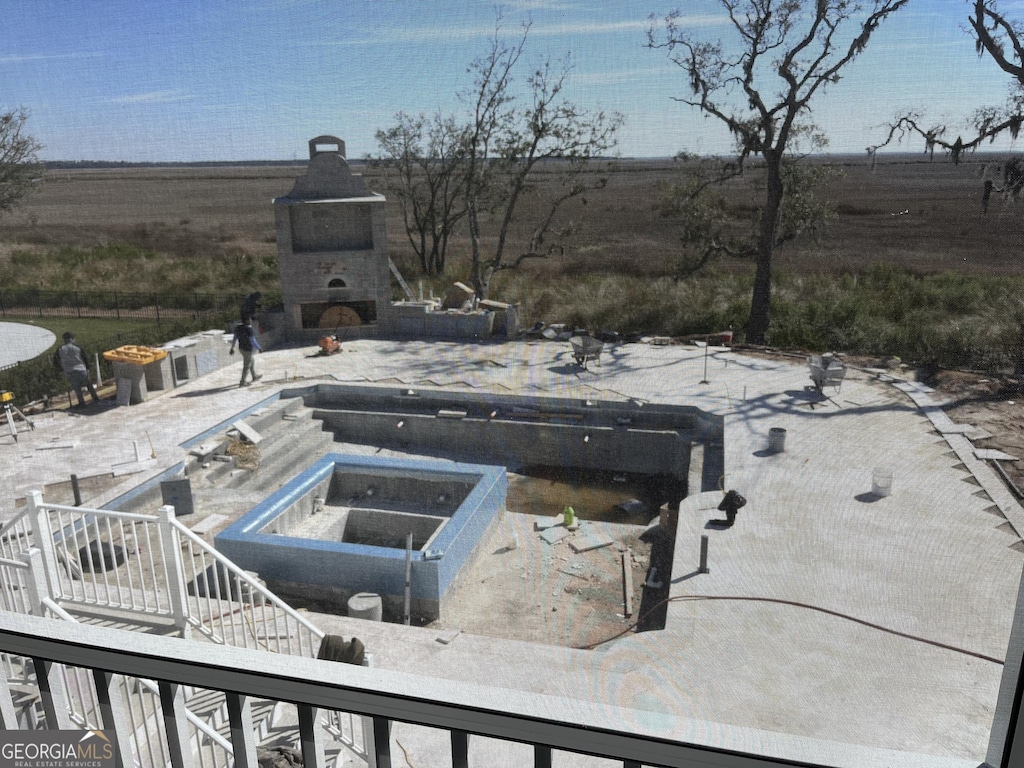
column 333, row 524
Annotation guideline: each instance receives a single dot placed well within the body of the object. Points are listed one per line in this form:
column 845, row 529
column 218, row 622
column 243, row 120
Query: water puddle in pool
column 593, row 495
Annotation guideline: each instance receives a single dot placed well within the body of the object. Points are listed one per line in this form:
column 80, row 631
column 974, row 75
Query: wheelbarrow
column 585, row 349
column 826, row 371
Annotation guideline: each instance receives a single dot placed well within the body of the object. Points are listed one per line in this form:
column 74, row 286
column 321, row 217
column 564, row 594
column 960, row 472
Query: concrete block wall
column 158, row 375
column 132, row 376
column 517, row 444
column 383, row 527
column 455, row 324
column 284, row 523
column 517, row 430
column 426, row 492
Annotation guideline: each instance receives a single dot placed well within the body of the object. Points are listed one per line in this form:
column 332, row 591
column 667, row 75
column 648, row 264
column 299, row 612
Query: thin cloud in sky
column 902, row 46
column 421, row 34
column 21, row 58
column 542, row 5
column 151, row 97
column 571, row 28
column 425, row 34
column 617, row 77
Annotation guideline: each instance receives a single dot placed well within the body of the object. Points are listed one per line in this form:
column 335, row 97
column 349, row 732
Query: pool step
column 282, row 452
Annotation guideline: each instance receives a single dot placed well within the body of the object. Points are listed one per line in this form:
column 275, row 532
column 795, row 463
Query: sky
column 205, row 80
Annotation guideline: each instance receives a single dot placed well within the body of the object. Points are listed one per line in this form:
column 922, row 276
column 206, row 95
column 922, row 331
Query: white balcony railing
column 161, row 570
column 52, row 562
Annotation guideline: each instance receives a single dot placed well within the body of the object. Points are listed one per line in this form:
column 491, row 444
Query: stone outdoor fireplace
column 332, row 250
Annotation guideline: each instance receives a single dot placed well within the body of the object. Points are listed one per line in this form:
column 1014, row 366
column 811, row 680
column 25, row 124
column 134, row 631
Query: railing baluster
column 43, row 538
column 8, row 716
column 135, row 538
column 311, row 736
column 132, row 695
column 103, row 546
column 113, row 715
column 76, row 696
column 243, row 738
column 52, row 694
column 541, row 756
column 250, row 606
column 117, row 570
column 141, row 702
column 172, row 567
column 131, row 562
column 172, row 705
column 160, row 534
column 150, row 539
column 91, row 529
column 460, row 749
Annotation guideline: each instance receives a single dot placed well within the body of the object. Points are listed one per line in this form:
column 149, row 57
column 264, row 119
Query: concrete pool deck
column 787, row 646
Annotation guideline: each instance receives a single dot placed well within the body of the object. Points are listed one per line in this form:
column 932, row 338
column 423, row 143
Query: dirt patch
column 523, row 588
column 63, row 492
column 995, row 404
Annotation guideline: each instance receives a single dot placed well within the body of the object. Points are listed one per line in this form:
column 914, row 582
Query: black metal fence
column 118, row 305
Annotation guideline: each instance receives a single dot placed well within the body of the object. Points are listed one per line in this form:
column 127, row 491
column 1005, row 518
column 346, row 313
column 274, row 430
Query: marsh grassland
column 908, row 265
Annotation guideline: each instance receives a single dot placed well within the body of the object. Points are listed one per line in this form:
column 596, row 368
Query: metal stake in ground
column 408, row 577
column 706, row 345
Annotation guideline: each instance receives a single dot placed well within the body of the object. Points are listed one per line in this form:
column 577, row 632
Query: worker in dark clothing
column 251, row 305
column 245, row 338
column 70, row 358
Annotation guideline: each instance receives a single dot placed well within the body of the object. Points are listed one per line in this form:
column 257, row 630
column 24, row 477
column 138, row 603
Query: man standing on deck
column 245, row 337
column 71, row 359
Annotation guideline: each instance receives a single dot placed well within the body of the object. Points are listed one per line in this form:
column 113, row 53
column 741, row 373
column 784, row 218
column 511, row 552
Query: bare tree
column 427, row 157
column 1002, row 39
column 19, row 167
column 760, row 87
column 481, row 166
column 506, row 144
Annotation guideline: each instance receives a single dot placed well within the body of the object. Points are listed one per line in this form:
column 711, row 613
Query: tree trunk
column 760, row 300
column 479, row 276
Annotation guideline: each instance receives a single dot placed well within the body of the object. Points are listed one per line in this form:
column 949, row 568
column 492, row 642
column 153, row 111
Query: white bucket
column 366, row 605
column 881, row 482
column 776, row 440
